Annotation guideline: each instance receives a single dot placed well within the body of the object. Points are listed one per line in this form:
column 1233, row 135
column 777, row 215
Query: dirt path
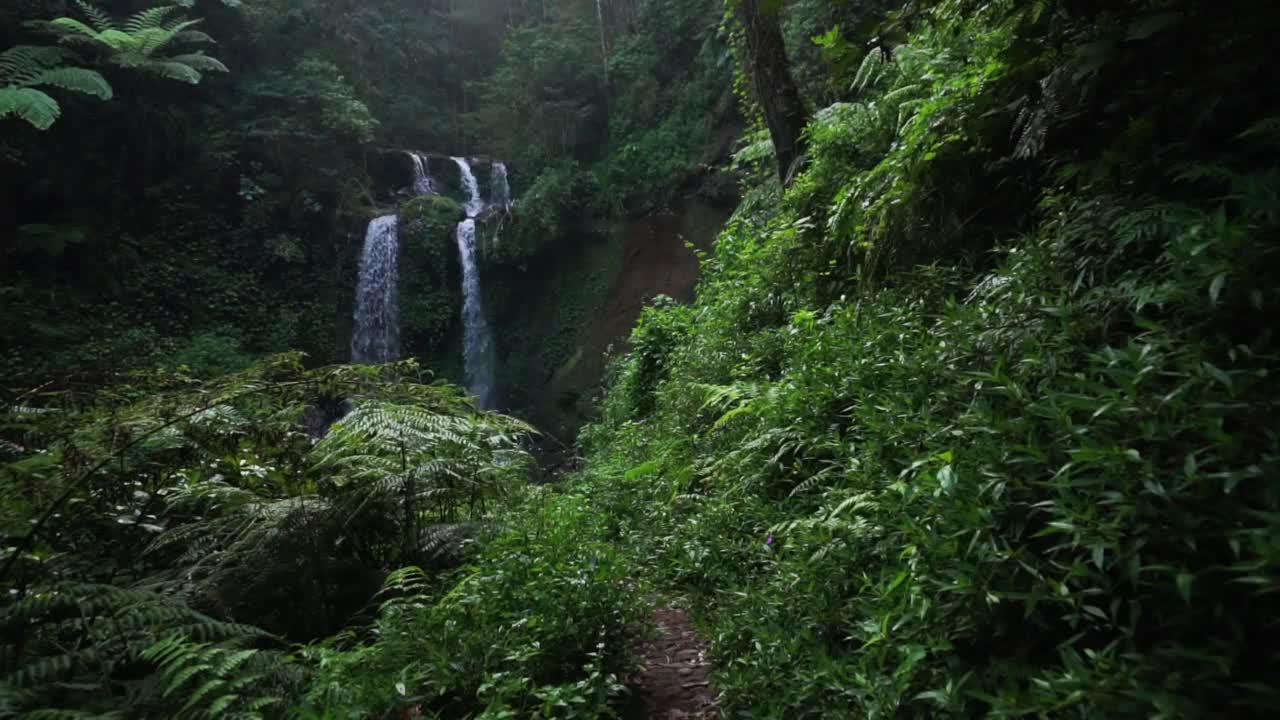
column 674, row 678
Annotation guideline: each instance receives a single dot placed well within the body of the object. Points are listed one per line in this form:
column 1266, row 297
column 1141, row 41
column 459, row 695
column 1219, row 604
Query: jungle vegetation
column 972, row 415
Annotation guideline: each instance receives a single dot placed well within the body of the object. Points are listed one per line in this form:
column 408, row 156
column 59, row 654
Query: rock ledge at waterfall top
column 392, row 171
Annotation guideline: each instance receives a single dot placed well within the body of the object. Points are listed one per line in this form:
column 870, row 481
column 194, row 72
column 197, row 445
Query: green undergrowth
column 535, row 626
column 973, row 420
column 284, row 542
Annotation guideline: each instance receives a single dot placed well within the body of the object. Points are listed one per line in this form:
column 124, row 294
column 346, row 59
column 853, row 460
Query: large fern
column 26, row 68
column 213, row 681
column 80, row 646
column 444, row 461
column 142, row 41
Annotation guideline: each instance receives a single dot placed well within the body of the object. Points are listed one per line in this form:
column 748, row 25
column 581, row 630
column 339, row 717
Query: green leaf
column 79, row 80
column 643, row 470
column 74, row 26
column 947, row 479
column 200, row 62
column 172, row 71
column 1215, row 288
column 1184, row 581
column 1217, row 374
column 32, row 105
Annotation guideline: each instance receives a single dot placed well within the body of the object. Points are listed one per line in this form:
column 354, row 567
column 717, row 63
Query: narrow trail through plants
column 673, row 681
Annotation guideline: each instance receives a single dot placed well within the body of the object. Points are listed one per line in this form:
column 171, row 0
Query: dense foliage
column 971, row 416
column 971, row 420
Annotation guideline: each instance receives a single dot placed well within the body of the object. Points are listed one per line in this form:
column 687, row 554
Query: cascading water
column 501, row 192
column 477, row 348
column 421, row 175
column 474, row 203
column 604, row 40
column 375, row 337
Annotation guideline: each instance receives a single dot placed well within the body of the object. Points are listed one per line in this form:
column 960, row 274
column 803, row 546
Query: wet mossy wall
column 543, row 310
column 430, row 295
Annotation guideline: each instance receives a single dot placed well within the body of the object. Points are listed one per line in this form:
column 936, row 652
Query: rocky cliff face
column 578, row 310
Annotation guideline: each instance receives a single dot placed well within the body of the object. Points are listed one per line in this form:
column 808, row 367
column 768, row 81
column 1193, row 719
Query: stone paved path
column 674, row 678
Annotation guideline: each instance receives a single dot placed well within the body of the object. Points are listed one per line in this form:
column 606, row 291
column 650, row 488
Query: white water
column 421, row 175
column 501, row 192
column 375, row 337
column 474, row 203
column 604, row 40
column 477, row 347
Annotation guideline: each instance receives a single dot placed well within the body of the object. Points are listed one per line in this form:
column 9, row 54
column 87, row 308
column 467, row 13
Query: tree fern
column 25, row 68
column 139, row 41
column 391, row 473
column 416, row 454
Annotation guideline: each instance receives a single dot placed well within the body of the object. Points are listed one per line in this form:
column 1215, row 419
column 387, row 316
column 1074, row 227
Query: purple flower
column 769, row 541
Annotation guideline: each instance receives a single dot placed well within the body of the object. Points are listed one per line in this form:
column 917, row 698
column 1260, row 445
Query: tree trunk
column 784, row 110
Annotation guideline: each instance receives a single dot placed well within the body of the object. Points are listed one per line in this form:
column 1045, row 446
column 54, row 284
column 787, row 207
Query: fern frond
column 193, row 37
column 200, row 62
column 870, row 71
column 172, row 71
column 74, row 27
column 41, row 670
column 1268, row 128
column 29, row 60
column 217, row 682
column 118, row 42
column 446, row 542
column 902, row 94
column 29, row 104
column 146, row 43
column 149, row 19
column 100, row 19
column 79, row 80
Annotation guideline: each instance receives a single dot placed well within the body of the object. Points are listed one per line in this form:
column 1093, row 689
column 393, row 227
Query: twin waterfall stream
column 375, row 336
column 477, row 343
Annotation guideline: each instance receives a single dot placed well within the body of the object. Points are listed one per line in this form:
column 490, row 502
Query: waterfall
column 477, row 348
column 501, row 192
column 375, row 337
column 604, row 41
column 421, row 175
column 474, row 203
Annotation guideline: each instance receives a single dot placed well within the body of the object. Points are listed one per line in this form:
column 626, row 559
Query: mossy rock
column 430, row 303
column 429, row 220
